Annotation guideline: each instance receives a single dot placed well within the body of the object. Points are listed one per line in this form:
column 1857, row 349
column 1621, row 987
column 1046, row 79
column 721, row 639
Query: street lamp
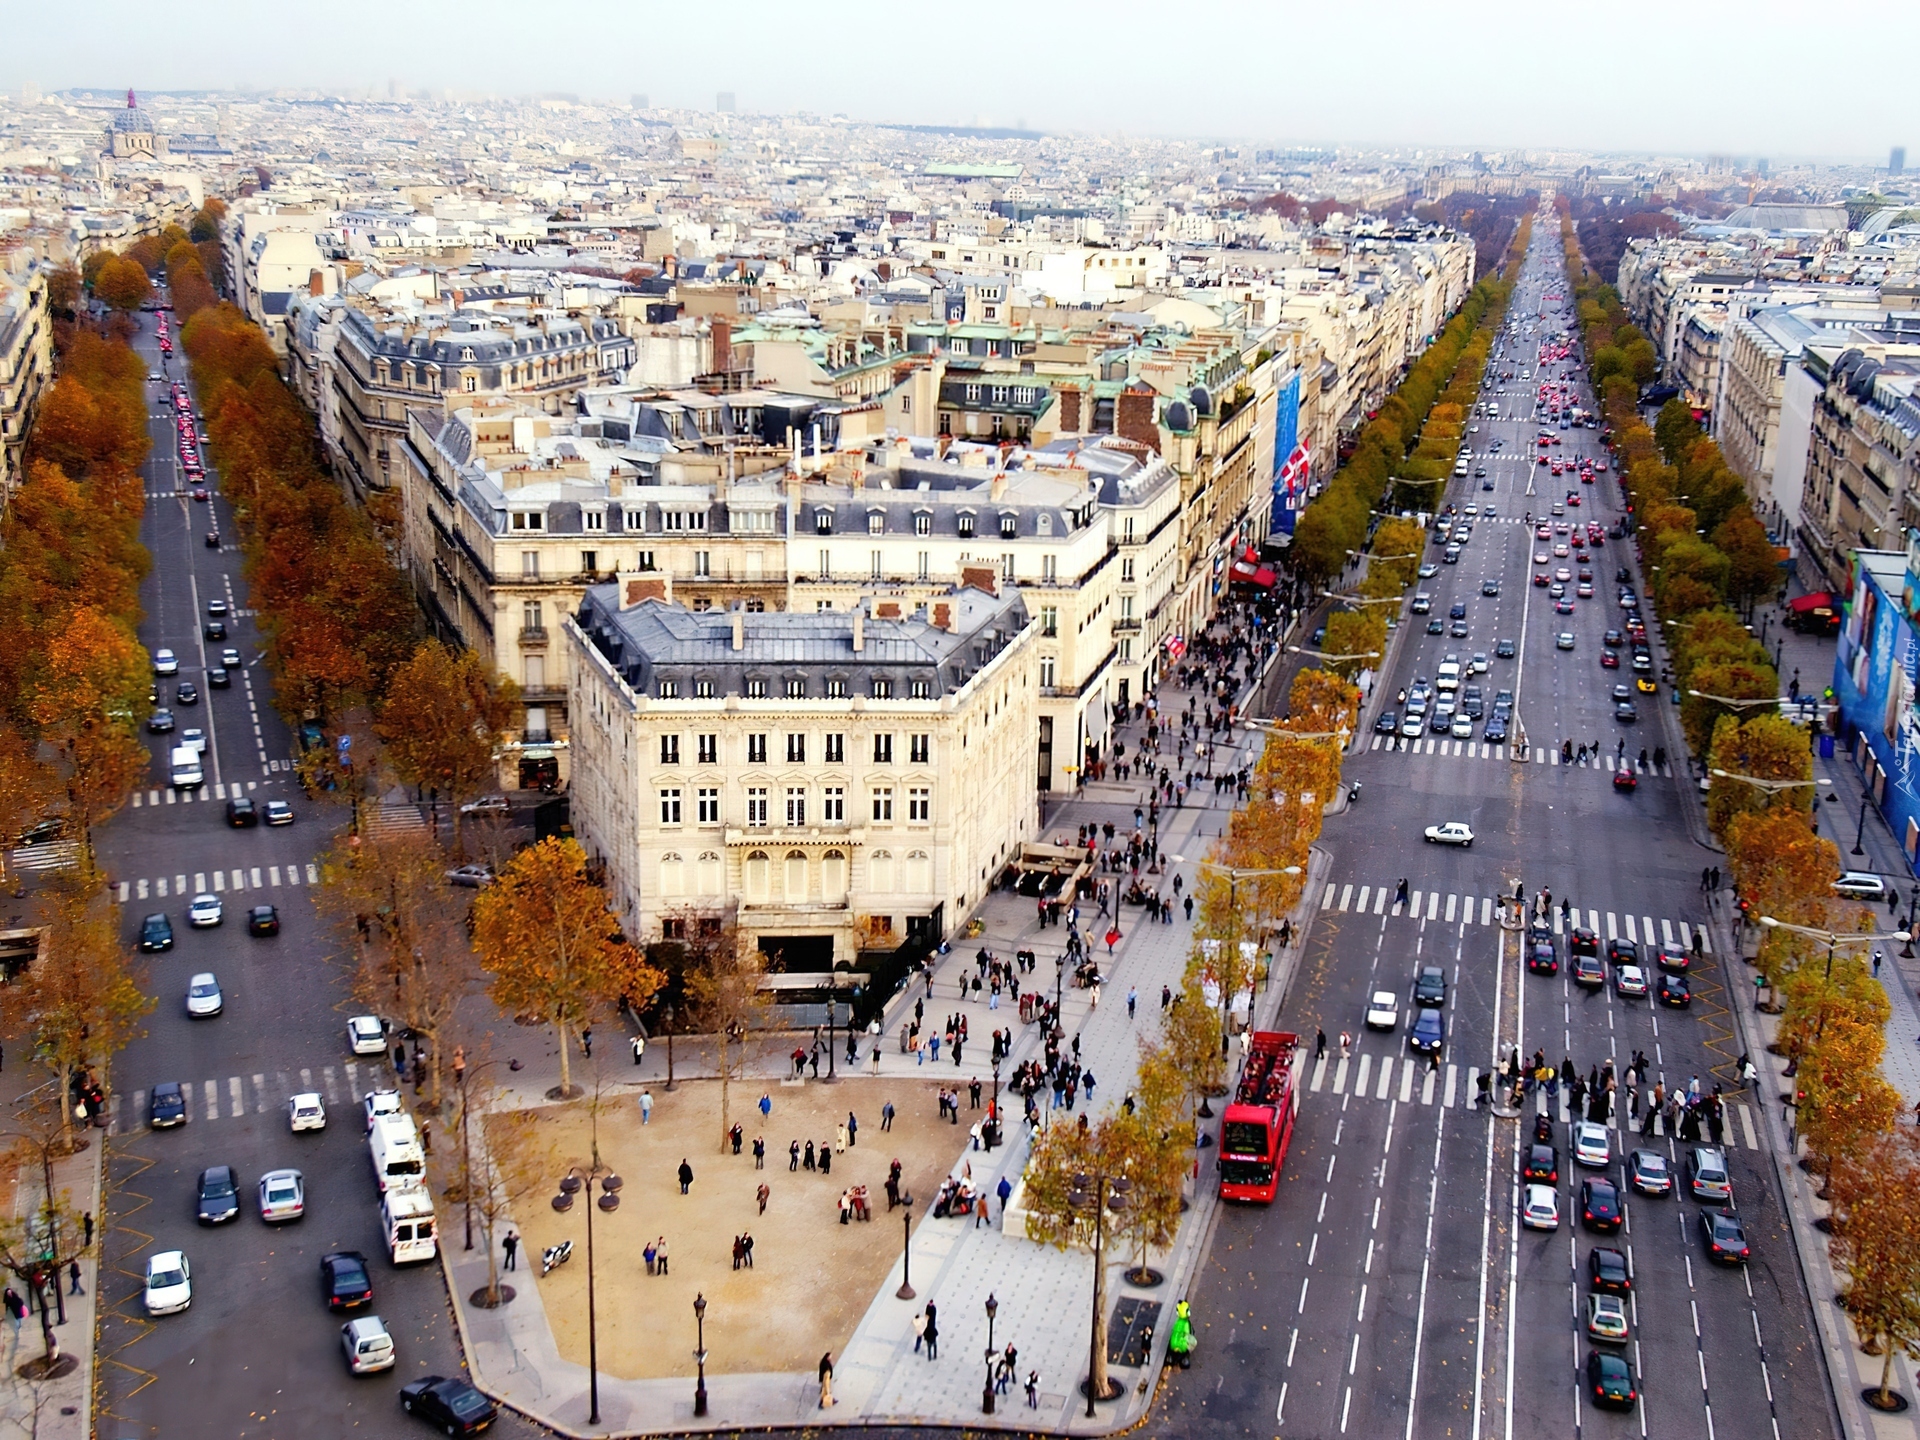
column 666, row 1017
column 699, row 1354
column 1094, row 1195
column 1833, row 939
column 1336, row 659
column 609, row 1201
column 1729, row 701
column 1364, row 599
column 986, row 1393
column 833, row 995
column 992, row 1127
column 460, row 1071
column 906, row 1291
column 1860, row 831
column 1772, row 787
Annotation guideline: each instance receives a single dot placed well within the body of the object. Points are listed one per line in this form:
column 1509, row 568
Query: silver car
column 283, row 1196
column 203, row 996
column 367, row 1345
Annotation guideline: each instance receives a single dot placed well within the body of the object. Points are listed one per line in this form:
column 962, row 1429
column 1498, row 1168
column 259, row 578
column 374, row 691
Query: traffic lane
column 1542, row 1268
column 1664, row 1352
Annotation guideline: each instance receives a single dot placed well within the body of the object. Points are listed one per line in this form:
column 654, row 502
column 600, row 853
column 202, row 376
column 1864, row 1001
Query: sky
column 1760, row 78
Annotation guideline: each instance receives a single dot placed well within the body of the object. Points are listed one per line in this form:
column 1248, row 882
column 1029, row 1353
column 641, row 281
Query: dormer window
column 922, row 523
column 876, row 522
column 635, row 522
column 466, row 353
column 823, row 522
column 965, row 521
column 529, row 520
column 1045, row 522
column 593, row 519
column 1009, row 526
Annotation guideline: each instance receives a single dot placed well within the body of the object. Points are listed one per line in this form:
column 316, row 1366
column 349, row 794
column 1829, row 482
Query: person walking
column 1033, row 1389
column 766, row 1106
column 586, row 1042
column 17, row 1308
column 826, row 1381
column 933, row 1332
column 646, row 1106
column 1319, row 1043
column 660, row 1255
column 919, row 1331
column 759, row 1152
column 686, row 1177
column 73, row 1276
column 1133, row 1000
column 511, row 1247
column 651, row 1255
column 886, row 1116
column 86, row 1224
column 793, row 1158
column 639, row 1044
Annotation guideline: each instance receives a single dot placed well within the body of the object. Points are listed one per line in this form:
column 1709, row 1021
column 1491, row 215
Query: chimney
column 316, row 283
column 943, row 616
column 859, row 629
column 636, row 588
column 722, row 333
column 739, row 630
column 997, row 488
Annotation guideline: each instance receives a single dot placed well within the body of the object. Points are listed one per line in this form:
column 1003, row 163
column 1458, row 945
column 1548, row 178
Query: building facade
column 26, row 362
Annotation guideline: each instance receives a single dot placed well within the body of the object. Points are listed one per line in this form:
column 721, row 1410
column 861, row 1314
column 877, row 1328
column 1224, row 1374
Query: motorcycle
column 554, row 1256
column 1353, row 793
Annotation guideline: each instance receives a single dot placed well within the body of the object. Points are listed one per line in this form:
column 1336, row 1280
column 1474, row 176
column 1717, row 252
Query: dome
column 1202, row 400
column 1179, row 415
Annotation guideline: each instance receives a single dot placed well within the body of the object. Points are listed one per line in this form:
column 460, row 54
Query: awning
column 1822, row 601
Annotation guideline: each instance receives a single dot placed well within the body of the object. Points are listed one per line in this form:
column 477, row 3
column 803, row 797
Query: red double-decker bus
column 1258, row 1124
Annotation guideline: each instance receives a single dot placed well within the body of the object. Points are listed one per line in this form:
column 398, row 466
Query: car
column 1707, row 1174
column 1673, row 990
column 380, row 1102
column 219, row 1195
column 194, row 738
column 1541, row 579
column 1462, row 727
column 1542, row 1165
column 1457, row 611
column 1490, row 589
column 203, row 996
column 217, row 610
column 366, row 1035
column 1646, row 685
column 1609, row 660
column 1582, row 941
column 1622, row 951
column 367, row 1345
column 277, row 812
column 156, row 934
column 160, row 722
column 1542, row 959
column 306, row 1111
column 1607, row 1271
column 344, row 1280
column 1607, row 1319
column 478, row 877
column 450, row 1405
column 1458, row 630
column 1496, row 731
column 1599, row 1204
column 214, row 630
column 230, row 658
column 1642, row 663
column 1388, row 722
column 1505, row 649
column 488, row 805
column 165, row 662
column 1454, row 832
column 1428, row 1033
column 1430, row 986
column 1860, row 885
column 1610, row 1380
column 1436, row 626
column 1563, row 641
column 1591, row 1143
column 1540, row 1207
column 1563, row 606
column 1556, row 591
column 1584, row 590
column 283, row 1196
column 1411, row 728
column 1589, row 972
column 241, row 813
column 1725, row 1236
column 1478, row 664
column 166, row 1106
column 1625, row 780
column 1441, row 721
column 169, row 1283
column 1422, row 604
column 1647, row 1172
column 1630, row 979
column 219, row 678
column 1383, row 1012
column 1429, row 570
column 263, row 920
column 1624, row 712
column 1673, row 958
column 199, row 492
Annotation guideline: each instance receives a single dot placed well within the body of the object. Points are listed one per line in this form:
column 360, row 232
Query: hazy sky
column 1763, row 77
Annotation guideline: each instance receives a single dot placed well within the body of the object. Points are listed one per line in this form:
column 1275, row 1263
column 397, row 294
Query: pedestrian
column 426, row 1137
column 793, row 1158
column 1133, row 999
column 1346, row 1044
column 660, row 1255
column 1319, row 1043
column 1033, row 1389
column 762, row 1195
column 586, row 1042
column 639, row 1043
column 759, row 1153
column 886, row 1116
column 511, row 1245
column 826, row 1381
column 17, row 1308
column 766, row 1106
column 933, row 1332
column 400, row 1059
column 86, row 1224
column 686, row 1177
column 919, row 1331
column 73, row 1275
column 808, row 1160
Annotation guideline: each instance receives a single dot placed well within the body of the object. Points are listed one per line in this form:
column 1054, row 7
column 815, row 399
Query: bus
column 1257, row 1126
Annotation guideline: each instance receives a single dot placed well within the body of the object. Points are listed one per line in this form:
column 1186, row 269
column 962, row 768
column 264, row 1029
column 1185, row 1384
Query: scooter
column 555, row 1255
column 1353, row 793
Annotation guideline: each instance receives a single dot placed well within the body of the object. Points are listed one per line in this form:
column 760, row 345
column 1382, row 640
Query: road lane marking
column 236, row 1098
column 256, row 876
column 1319, row 1075
column 1632, row 939
column 273, row 875
column 1360, row 1078
column 260, row 1094
column 1386, row 1079
column 213, row 1100
column 1326, row 901
column 1407, row 1068
column 1453, row 903
column 1346, row 895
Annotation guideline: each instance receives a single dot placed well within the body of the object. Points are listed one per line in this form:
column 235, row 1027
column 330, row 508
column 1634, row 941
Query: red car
column 1624, row 780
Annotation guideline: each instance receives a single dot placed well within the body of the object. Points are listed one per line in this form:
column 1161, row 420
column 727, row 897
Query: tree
column 553, row 949
column 504, row 1160
column 1765, row 747
column 93, row 675
column 720, row 982
column 1874, row 1245
column 1780, row 867
column 122, row 284
column 36, row 1248
column 444, row 718
column 1753, row 563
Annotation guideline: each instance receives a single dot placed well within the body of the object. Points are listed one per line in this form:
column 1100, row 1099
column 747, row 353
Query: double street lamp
column 1090, row 1198
column 700, row 1354
column 1772, row 787
column 1833, row 939
column 571, row 1183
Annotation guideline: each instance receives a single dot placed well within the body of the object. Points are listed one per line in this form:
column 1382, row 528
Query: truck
column 185, row 768
column 1257, row 1125
column 406, row 1216
column 394, row 1147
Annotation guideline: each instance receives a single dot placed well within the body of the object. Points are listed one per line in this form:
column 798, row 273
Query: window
column 836, row 743
column 876, row 523
column 919, row 804
column 533, row 617
column 669, row 807
column 833, row 804
column 1126, row 570
column 757, row 749
column 643, row 560
column 883, row 749
column 1049, row 569
column 882, row 688
column 999, row 394
column 634, row 522
column 833, row 875
column 966, row 526
column 707, row 805
column 589, row 562
column 757, row 806
column 925, row 565
column 836, row 689
column 471, row 383
column 1046, row 672
column 920, row 749
column 711, row 873
column 756, row 690
column 703, row 689
column 1006, row 568
column 593, row 520
column 796, row 876
column 1126, row 650
column 883, row 803
column 922, row 523
column 669, row 749
column 1126, row 607
column 529, row 519
column 823, row 522
column 708, row 747
column 1050, row 620
column 673, row 927
column 918, row 689
column 878, row 569
column 529, row 564
column 669, row 689
column 826, row 569
column 535, row 667
column 919, row 876
column 703, row 563
column 796, row 748
column 1126, row 530
column 880, row 870
column 759, row 869
column 796, row 805
column 1009, row 527
column 796, row 688
column 973, row 394
column 672, row 875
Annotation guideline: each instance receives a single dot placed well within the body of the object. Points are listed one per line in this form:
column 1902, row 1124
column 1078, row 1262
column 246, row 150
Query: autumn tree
column 1763, row 747
column 445, row 715
column 720, row 983
column 36, row 1246
column 92, row 677
column 553, row 949
column 1072, row 1199
column 1873, row 1245
column 122, row 284
column 505, row 1160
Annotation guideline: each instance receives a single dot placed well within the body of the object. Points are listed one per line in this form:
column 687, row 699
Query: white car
column 1591, row 1145
column 366, row 1035
column 1384, row 1012
column 165, row 662
column 194, row 737
column 306, row 1111
column 1454, row 832
column 1540, row 1208
column 378, row 1103
column 206, row 910
column 283, row 1196
column 367, row 1344
column 1630, row 980
column 487, row 805
column 169, row 1283
column 203, row 996
column 1563, row 641
column 1861, row 885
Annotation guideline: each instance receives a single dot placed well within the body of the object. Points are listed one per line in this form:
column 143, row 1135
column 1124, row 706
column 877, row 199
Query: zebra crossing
column 1406, row 1080
column 219, row 882
column 55, row 855
column 225, row 790
column 237, row 1096
column 1451, row 908
column 1539, row 755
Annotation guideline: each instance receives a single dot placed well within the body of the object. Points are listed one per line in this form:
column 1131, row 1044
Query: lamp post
column 460, row 1071
column 1772, row 787
column 1234, row 877
column 570, row 1185
column 906, row 1291
column 1094, row 1195
column 833, row 997
column 986, row 1392
column 700, row 1354
column 1860, row 830
column 1833, row 939
column 993, row 1111
column 666, row 1017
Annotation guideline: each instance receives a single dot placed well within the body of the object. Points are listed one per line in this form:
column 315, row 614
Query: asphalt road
column 1389, row 1290
column 258, row 1354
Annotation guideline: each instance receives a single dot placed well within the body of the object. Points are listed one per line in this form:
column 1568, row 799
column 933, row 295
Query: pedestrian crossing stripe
column 1481, row 750
column 223, row 791
column 342, row 1086
column 217, row 882
column 55, row 855
column 1451, row 907
column 1458, row 1087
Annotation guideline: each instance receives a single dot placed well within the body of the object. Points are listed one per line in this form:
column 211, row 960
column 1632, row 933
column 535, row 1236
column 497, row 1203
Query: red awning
column 1822, row 601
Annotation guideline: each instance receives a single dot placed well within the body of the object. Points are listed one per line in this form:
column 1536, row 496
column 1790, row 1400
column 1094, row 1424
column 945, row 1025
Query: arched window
column 880, row 871
column 712, row 877
column 796, row 880
column 919, row 872
column 833, row 875
column 759, row 875
column 673, row 880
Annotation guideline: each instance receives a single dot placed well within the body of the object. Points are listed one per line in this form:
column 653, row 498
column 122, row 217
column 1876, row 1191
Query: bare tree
column 720, row 979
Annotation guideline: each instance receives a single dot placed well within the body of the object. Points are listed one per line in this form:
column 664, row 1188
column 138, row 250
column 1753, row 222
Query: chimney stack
column 739, row 630
column 859, row 629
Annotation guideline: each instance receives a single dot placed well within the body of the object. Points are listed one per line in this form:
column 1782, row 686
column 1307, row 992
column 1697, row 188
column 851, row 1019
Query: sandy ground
column 812, row 1278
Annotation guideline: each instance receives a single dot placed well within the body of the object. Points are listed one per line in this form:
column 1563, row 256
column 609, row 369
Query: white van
column 1447, row 677
column 394, row 1146
column 186, row 768
column 406, row 1214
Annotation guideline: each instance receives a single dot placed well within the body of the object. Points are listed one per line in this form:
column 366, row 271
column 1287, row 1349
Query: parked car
column 452, row 1406
column 169, row 1287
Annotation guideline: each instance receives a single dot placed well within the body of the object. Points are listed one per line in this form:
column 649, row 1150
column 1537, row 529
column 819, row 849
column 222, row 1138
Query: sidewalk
column 1043, row 1294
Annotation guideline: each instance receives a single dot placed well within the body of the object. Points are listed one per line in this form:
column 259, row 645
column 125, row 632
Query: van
column 1447, row 677
column 394, row 1146
column 186, row 767
column 406, row 1214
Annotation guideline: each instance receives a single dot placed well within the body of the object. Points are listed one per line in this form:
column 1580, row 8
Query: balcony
column 533, row 637
column 1126, row 624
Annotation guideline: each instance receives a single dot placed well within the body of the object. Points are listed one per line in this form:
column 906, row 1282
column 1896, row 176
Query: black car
column 1436, row 627
column 1490, row 588
column 1599, row 1204
column 219, row 1195
column 1582, row 941
column 1610, row 1381
column 166, row 1106
column 214, row 630
column 156, row 933
column 1725, row 1236
column 453, row 1406
column 1497, row 729
column 263, row 920
column 1458, row 610
column 1542, row 959
column 1430, row 986
column 218, row 678
column 1542, row 1167
column 344, row 1281
column 1622, row 951
column 1624, row 712
column 42, row 831
column 1674, row 991
column 1674, row 958
column 1607, row 1270
column 241, row 814
column 186, row 693
column 1504, row 649
column 1588, row 971
column 1387, row 724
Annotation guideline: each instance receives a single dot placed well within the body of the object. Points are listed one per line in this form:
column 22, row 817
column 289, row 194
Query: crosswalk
column 1452, row 907
column 55, row 855
column 1538, row 755
column 236, row 1096
column 225, row 790
column 1407, row 1080
column 219, row 882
